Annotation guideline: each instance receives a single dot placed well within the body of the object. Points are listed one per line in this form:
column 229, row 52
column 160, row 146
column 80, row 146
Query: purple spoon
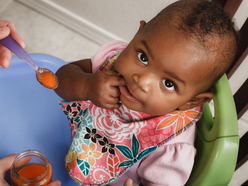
column 14, row 47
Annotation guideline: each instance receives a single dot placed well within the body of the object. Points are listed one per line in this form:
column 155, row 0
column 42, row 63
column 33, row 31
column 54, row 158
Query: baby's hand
column 103, row 89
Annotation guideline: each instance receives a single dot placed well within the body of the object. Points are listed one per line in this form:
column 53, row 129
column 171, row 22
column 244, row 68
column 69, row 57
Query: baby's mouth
column 125, row 92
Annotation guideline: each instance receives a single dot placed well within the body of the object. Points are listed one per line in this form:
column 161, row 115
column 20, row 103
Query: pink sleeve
column 105, row 52
column 170, row 164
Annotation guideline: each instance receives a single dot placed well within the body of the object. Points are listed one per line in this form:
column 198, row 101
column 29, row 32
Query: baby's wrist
column 86, row 88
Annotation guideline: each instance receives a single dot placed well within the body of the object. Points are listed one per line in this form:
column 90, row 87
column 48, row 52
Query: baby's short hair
column 209, row 25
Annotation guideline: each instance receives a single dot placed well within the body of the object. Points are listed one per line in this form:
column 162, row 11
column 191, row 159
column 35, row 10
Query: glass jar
column 30, row 168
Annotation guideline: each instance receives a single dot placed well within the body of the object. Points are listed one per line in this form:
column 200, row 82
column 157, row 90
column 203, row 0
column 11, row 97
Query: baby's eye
column 168, row 84
column 143, row 58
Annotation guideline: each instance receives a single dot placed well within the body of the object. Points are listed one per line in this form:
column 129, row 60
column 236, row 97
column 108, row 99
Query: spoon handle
column 13, row 46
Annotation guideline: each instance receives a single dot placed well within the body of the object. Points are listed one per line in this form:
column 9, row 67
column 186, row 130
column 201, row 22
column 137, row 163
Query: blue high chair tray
column 31, row 117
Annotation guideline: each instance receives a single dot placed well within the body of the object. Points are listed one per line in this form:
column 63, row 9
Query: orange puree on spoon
column 47, row 78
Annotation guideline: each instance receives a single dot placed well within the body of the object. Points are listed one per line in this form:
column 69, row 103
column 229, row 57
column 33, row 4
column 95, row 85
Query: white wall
column 120, row 17
column 100, row 20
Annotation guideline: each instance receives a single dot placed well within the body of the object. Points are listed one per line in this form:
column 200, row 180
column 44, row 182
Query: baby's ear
column 142, row 24
column 197, row 101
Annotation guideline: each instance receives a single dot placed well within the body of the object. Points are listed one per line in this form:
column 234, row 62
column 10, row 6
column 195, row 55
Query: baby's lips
column 125, row 92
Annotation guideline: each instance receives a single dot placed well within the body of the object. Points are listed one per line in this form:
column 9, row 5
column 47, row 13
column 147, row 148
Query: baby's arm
column 77, row 82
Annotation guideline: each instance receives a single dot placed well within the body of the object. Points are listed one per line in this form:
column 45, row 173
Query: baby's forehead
column 210, row 30
column 184, row 56
column 208, row 50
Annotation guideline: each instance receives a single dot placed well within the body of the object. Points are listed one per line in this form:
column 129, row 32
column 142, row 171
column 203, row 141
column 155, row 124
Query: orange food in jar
column 31, row 168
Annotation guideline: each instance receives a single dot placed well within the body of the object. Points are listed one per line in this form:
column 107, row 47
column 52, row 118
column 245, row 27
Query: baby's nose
column 143, row 81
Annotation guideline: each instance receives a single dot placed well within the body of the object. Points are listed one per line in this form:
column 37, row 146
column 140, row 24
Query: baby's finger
column 117, row 81
column 113, row 106
column 111, row 73
column 116, row 78
column 114, row 91
column 111, row 100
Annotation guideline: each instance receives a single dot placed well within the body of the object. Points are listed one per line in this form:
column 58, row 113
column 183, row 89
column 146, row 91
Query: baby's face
column 162, row 70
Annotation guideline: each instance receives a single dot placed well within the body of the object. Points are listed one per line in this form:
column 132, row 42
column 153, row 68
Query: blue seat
column 31, row 117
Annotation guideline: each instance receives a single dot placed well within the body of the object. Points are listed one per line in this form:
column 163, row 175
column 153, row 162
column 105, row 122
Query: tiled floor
column 44, row 35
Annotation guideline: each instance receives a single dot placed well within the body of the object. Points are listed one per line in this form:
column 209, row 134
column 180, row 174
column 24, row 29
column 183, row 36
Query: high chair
column 217, row 140
column 32, row 119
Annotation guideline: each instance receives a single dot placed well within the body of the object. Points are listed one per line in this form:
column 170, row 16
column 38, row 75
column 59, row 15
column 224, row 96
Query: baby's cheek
column 159, row 107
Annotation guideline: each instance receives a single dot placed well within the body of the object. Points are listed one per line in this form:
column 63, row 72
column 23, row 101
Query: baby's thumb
column 4, row 31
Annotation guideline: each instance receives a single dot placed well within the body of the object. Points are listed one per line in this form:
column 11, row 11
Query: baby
column 133, row 107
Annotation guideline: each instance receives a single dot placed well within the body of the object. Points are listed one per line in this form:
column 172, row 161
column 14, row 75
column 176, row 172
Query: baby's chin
column 127, row 104
column 132, row 103
column 144, row 113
